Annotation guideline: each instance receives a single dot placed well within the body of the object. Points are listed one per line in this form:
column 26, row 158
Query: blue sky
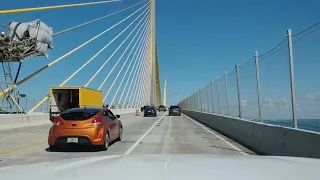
column 197, row 42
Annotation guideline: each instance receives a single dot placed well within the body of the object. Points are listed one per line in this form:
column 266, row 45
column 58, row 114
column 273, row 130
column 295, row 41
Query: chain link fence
column 306, row 49
column 233, row 105
column 249, row 101
column 278, row 87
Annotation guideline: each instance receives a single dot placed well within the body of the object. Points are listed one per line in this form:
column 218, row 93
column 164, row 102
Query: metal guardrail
column 265, row 88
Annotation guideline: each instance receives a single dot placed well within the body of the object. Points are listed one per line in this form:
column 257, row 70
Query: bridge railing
column 278, row 87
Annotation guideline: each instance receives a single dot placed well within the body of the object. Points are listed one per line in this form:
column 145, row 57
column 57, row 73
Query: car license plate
column 72, row 140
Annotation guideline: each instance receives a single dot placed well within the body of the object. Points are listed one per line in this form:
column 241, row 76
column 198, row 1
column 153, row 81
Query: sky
column 197, row 41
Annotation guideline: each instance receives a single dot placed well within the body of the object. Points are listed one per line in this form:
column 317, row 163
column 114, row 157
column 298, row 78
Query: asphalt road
column 142, row 135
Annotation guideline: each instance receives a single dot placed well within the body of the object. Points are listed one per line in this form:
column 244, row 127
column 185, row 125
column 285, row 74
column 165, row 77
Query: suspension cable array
column 132, row 65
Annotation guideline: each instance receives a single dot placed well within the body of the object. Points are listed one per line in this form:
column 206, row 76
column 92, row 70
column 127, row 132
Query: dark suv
column 174, row 110
column 162, row 108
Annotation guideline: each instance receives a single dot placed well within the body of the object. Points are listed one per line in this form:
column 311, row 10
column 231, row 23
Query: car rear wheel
column 105, row 146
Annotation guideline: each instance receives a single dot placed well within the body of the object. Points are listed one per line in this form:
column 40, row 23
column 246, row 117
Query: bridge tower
column 158, row 87
column 155, row 95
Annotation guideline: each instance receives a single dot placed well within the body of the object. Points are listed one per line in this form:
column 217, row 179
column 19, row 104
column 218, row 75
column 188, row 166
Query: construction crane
column 22, row 41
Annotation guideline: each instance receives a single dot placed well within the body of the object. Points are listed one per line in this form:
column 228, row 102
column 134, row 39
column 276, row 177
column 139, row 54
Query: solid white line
column 129, row 151
column 219, row 137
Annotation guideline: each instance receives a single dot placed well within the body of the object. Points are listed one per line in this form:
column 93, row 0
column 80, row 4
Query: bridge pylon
column 155, row 94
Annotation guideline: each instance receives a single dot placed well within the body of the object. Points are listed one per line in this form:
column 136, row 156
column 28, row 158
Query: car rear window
column 79, row 114
column 161, row 106
column 149, row 108
column 174, row 107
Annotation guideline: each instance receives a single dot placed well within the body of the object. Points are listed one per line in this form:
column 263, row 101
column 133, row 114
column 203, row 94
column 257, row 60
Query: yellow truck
column 68, row 97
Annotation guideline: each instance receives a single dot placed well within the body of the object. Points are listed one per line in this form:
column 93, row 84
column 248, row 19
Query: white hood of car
column 167, row 167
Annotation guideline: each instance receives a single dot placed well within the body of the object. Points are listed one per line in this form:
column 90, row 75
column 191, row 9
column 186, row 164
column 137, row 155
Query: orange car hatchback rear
column 83, row 126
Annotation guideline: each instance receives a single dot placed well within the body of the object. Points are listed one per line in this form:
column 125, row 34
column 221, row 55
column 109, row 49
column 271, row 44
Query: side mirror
column 118, row 116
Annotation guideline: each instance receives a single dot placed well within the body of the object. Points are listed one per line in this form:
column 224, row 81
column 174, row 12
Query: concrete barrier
column 263, row 138
column 10, row 121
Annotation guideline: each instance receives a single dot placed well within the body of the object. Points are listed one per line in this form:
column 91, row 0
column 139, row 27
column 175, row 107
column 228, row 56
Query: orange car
column 85, row 126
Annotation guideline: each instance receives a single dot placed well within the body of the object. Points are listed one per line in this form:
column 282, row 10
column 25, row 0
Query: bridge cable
column 144, row 32
column 116, row 91
column 11, row 11
column 146, row 75
column 136, row 65
column 110, row 71
column 142, row 69
column 135, row 75
column 97, row 72
column 140, row 46
column 141, row 93
column 139, row 87
column 119, row 70
column 138, row 82
column 125, row 75
column 116, row 78
column 95, row 20
column 145, row 93
column 142, row 83
column 65, row 55
column 148, row 83
column 78, row 70
column 133, row 90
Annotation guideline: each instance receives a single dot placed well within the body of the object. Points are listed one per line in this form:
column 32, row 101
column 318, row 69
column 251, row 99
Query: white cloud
column 314, row 95
column 269, row 102
column 244, row 102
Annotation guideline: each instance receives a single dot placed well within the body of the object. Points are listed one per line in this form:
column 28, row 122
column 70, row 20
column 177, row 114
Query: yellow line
column 52, row 7
column 21, row 148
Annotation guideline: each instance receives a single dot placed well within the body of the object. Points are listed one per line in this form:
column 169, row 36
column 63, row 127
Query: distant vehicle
column 64, row 98
column 85, row 126
column 143, row 108
column 150, row 111
column 162, row 108
column 174, row 110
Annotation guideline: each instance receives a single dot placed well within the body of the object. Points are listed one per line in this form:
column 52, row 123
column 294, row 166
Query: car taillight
column 56, row 122
column 96, row 121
